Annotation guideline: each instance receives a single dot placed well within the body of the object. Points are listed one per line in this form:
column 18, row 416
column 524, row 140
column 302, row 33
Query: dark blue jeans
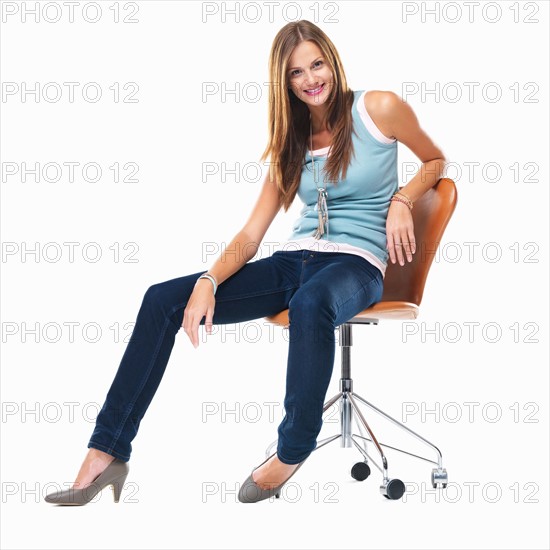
column 321, row 290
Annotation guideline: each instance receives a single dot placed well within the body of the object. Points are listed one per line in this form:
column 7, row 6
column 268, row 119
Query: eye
column 316, row 64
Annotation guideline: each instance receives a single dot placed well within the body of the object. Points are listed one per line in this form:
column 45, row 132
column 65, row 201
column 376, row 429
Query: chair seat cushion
column 381, row 310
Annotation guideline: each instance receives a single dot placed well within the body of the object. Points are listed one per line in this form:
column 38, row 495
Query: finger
column 390, row 247
column 189, row 327
column 208, row 322
column 186, row 323
column 411, row 240
column 399, row 250
column 406, row 246
column 195, row 330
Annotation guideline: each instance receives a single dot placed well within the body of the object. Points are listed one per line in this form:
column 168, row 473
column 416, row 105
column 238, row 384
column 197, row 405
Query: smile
column 315, row 91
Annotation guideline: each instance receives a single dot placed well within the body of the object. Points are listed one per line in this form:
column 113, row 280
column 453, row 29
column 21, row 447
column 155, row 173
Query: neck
column 318, row 120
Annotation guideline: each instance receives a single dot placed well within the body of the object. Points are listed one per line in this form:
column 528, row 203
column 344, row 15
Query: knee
column 169, row 299
column 157, row 298
column 154, row 294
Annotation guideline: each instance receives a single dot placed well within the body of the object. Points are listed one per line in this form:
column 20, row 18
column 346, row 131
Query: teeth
column 315, row 90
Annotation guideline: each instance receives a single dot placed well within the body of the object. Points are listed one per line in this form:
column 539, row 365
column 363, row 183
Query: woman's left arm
column 397, row 118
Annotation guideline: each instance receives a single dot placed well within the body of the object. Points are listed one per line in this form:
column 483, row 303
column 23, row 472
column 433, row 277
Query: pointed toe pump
column 115, row 474
column 251, row 492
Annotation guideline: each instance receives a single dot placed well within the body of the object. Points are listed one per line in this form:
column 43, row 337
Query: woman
column 337, row 149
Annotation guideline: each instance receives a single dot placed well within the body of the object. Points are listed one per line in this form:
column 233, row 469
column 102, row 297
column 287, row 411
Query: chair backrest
column 431, row 214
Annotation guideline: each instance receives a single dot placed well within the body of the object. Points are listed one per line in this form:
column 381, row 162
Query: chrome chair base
column 348, row 401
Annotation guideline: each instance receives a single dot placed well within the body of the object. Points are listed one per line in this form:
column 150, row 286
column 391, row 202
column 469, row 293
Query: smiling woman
column 367, row 216
column 352, row 211
column 337, row 149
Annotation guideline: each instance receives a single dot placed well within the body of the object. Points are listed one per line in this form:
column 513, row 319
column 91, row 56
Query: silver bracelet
column 207, row 276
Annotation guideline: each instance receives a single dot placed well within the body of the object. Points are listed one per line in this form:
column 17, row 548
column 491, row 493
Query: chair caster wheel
column 393, row 489
column 439, row 477
column 360, row 471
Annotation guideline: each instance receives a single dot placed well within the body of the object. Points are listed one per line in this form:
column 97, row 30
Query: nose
column 311, row 82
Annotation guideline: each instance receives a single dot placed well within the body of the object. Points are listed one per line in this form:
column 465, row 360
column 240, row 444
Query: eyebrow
column 317, row 59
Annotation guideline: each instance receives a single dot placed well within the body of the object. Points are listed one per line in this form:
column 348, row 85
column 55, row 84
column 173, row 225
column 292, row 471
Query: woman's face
column 308, row 74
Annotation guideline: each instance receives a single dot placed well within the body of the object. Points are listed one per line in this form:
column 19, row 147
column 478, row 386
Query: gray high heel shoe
column 251, row 492
column 115, row 475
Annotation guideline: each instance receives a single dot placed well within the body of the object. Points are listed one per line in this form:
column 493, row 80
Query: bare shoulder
column 396, row 119
column 384, row 107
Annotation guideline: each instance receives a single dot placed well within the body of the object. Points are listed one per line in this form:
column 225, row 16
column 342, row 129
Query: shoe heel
column 118, row 484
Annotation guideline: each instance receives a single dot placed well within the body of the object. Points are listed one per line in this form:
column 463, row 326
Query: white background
column 172, row 212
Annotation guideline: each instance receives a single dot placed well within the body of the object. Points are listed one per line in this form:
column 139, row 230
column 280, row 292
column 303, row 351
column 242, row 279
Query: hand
column 201, row 303
column 400, row 232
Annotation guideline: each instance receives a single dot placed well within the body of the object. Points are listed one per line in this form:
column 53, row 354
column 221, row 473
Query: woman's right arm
column 242, row 248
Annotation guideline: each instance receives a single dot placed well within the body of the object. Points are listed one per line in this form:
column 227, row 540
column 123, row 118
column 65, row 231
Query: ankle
column 96, row 454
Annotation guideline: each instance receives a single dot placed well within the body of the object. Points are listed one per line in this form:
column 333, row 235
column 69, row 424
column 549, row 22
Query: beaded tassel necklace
column 321, row 206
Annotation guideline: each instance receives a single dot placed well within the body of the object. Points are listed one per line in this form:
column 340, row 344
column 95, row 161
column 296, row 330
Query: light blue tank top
column 358, row 205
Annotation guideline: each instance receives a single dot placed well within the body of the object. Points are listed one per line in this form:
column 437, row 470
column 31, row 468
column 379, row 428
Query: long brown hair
column 288, row 116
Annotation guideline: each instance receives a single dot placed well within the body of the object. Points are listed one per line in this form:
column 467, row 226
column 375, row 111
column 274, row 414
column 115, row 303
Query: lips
column 315, row 91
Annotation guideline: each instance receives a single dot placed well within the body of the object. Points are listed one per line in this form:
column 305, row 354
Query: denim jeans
column 321, row 290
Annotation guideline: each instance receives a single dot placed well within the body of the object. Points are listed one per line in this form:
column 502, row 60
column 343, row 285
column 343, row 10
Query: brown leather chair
column 403, row 291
